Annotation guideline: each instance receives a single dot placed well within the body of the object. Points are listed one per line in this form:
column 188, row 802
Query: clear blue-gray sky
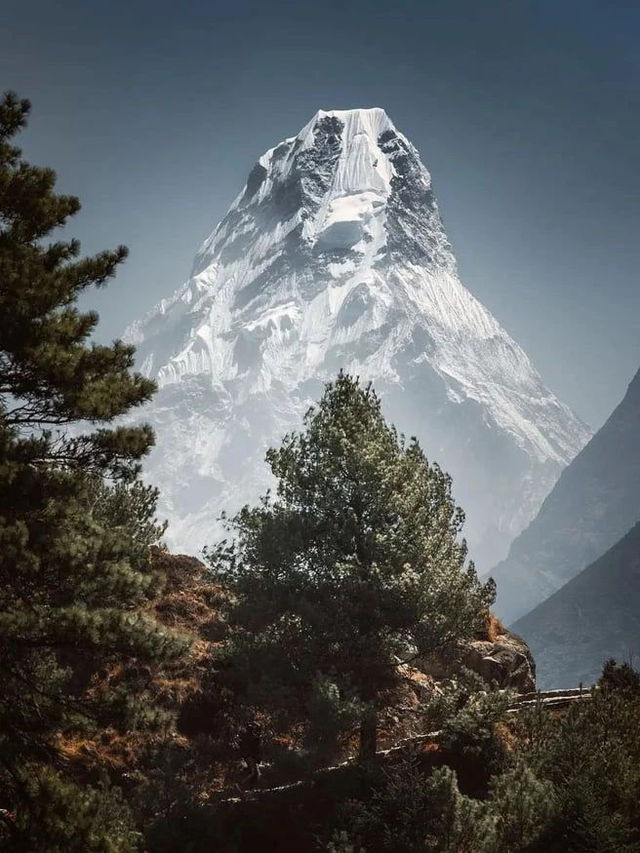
column 527, row 114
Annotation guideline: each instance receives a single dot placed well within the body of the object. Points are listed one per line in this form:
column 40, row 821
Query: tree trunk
column 368, row 734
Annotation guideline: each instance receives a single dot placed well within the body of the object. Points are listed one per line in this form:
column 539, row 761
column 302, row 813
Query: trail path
column 549, row 699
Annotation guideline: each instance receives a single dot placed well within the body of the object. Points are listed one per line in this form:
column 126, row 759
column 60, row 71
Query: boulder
column 505, row 661
column 499, row 656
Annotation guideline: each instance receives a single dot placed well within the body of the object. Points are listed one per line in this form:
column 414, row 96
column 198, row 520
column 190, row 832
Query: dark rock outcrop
column 506, row 661
column 499, row 656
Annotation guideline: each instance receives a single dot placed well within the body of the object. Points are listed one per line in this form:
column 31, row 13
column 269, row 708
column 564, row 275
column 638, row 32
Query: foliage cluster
column 75, row 521
column 568, row 781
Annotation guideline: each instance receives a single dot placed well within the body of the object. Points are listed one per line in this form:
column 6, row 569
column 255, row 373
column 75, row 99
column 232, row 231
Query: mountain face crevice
column 334, row 256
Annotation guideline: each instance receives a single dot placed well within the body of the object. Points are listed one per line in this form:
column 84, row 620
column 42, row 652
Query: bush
column 591, row 754
column 58, row 816
column 410, row 811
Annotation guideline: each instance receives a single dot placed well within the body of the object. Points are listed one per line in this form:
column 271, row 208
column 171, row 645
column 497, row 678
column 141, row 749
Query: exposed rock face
column 499, row 656
column 507, row 662
column 334, row 256
column 591, row 507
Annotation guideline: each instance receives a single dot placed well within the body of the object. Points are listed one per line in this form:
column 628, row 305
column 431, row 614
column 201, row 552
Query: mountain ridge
column 592, row 618
column 594, row 503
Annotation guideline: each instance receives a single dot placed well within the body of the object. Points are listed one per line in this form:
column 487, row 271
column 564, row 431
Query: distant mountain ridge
column 594, row 617
column 334, row 256
column 593, row 505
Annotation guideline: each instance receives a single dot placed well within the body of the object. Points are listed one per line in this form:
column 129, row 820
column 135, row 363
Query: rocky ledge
column 505, row 661
column 499, row 656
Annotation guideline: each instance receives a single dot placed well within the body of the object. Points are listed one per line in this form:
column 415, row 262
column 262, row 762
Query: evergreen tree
column 408, row 810
column 621, row 677
column 353, row 568
column 591, row 756
column 523, row 806
column 74, row 566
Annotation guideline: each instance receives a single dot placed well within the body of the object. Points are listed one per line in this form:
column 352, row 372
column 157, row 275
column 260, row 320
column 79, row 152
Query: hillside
column 594, row 617
column 593, row 504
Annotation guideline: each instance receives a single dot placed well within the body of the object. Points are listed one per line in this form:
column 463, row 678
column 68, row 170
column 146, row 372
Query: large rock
column 506, row 661
column 499, row 656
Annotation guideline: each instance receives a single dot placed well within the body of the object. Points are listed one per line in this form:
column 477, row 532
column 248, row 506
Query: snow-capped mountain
column 334, row 256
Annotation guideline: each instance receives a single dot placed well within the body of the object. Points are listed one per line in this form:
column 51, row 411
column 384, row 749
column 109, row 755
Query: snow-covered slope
column 334, row 256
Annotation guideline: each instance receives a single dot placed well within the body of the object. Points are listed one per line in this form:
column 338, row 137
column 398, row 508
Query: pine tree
column 74, row 567
column 591, row 755
column 353, row 568
column 408, row 810
column 523, row 805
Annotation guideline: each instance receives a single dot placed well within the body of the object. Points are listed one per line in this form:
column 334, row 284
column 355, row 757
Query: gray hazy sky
column 526, row 113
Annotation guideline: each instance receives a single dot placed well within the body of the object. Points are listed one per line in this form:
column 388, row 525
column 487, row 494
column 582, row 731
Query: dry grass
column 495, row 628
column 189, row 603
column 505, row 733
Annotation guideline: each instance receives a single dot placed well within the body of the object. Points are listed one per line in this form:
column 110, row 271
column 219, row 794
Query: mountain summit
column 334, row 256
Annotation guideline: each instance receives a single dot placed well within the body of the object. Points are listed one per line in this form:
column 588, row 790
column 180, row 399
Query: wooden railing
column 548, row 699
